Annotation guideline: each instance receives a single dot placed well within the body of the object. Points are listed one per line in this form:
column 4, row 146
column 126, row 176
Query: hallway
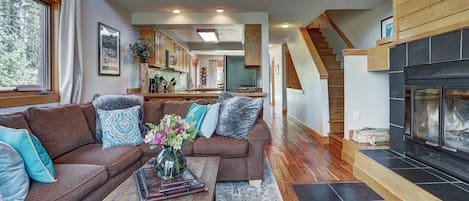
column 297, row 157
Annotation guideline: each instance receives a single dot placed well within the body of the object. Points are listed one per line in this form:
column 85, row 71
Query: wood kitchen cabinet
column 162, row 44
column 158, row 57
column 252, row 45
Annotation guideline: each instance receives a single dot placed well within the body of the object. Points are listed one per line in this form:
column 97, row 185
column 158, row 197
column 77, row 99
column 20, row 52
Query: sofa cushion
column 177, row 107
column 188, row 150
column 60, row 129
column 14, row 180
column 237, row 116
column 74, row 182
column 195, row 115
column 153, row 112
column 221, row 146
column 120, row 127
column 16, row 120
column 115, row 159
column 116, row 102
column 90, row 115
column 37, row 163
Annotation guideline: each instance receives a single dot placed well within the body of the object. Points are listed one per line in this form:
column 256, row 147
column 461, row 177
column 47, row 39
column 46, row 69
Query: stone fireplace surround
column 429, row 120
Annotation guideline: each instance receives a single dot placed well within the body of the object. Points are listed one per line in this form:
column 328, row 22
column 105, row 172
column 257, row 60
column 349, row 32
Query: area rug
column 242, row 191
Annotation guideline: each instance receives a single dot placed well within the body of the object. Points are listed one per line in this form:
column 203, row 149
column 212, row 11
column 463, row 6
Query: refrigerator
column 237, row 75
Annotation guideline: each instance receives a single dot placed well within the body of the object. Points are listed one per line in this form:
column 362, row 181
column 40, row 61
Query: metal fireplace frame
column 442, row 84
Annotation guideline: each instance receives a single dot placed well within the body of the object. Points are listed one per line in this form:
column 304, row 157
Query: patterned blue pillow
column 196, row 114
column 120, row 127
column 38, row 163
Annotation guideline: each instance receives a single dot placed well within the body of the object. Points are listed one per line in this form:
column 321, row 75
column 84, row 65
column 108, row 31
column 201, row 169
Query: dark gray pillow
column 116, row 102
column 237, row 115
column 14, row 180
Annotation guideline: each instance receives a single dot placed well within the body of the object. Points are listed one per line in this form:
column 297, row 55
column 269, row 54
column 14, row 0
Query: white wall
column 308, row 106
column 362, row 27
column 211, row 73
column 108, row 13
column 276, row 56
column 366, row 101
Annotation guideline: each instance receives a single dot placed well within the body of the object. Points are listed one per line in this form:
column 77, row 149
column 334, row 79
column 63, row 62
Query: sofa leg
column 256, row 183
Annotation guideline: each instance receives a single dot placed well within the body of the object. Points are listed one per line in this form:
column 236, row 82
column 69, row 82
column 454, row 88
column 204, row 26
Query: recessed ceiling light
column 208, row 35
column 285, row 26
column 219, row 10
column 176, row 11
column 270, row 45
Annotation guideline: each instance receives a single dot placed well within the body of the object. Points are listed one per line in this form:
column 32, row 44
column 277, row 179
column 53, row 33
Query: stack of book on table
column 150, row 187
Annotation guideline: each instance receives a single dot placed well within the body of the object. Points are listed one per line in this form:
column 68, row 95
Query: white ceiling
column 297, row 13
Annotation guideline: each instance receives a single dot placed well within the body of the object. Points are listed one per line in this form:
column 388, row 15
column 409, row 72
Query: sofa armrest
column 259, row 132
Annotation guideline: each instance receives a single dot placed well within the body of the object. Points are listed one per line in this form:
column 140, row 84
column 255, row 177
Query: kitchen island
column 193, row 95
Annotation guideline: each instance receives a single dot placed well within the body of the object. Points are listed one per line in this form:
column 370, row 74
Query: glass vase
column 170, row 163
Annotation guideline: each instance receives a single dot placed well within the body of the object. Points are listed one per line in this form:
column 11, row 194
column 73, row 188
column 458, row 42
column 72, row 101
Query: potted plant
column 141, row 51
column 172, row 134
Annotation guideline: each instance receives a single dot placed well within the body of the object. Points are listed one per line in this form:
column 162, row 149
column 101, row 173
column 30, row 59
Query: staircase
column 335, row 83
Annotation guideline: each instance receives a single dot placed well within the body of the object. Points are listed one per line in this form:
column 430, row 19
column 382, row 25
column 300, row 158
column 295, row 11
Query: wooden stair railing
column 337, row 29
column 315, row 54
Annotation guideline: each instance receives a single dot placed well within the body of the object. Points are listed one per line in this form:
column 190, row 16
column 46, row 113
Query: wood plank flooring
column 296, row 157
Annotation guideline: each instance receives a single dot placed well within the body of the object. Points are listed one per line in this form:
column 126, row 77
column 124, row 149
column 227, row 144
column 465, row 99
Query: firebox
column 435, row 101
column 436, row 123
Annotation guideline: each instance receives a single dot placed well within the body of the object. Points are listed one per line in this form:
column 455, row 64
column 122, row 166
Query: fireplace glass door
column 456, row 125
column 426, row 115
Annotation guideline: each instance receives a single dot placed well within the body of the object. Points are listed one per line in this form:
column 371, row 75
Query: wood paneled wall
column 291, row 75
column 414, row 19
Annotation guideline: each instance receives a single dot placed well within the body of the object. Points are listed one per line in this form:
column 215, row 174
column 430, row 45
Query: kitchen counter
column 191, row 95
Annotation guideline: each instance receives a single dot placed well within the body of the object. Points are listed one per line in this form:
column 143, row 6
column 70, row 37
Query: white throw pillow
column 209, row 124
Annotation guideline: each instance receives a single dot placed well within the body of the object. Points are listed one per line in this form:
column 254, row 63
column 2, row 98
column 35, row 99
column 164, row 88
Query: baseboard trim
column 320, row 138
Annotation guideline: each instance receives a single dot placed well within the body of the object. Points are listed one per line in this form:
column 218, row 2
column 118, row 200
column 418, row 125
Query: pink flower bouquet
column 173, row 131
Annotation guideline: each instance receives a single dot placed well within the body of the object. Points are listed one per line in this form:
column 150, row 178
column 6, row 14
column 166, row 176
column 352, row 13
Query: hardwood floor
column 297, row 157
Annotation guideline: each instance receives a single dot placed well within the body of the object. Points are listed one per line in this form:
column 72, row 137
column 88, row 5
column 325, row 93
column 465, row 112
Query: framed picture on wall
column 108, row 50
column 387, row 27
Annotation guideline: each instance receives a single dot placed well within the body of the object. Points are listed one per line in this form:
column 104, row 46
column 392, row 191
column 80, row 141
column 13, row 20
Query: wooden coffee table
column 206, row 168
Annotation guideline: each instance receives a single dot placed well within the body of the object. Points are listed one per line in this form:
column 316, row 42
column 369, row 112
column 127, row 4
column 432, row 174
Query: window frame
column 15, row 99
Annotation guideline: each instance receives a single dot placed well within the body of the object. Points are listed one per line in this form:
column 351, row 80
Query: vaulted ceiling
column 297, row 13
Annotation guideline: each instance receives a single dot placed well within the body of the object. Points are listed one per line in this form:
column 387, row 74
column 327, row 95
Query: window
column 25, row 45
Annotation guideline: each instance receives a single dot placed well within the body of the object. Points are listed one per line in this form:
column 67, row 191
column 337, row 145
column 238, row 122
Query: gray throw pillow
column 116, row 102
column 237, row 115
column 14, row 180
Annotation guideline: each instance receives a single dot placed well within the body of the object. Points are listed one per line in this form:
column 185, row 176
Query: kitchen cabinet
column 252, row 45
column 164, row 45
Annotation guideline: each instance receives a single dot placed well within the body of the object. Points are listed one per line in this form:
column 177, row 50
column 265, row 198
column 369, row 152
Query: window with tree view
column 24, row 44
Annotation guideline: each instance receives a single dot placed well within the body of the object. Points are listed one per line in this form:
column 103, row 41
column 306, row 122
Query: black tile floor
column 434, row 181
column 335, row 192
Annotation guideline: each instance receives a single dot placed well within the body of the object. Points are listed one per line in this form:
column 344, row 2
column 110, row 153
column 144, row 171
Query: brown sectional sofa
column 86, row 172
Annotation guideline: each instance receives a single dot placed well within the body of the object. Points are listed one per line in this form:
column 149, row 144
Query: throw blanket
column 116, row 102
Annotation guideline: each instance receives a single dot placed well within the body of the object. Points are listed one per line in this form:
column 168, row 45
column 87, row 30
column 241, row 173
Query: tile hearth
column 432, row 180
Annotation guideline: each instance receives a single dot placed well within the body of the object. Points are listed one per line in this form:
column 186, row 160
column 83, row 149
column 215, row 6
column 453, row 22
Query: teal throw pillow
column 38, row 163
column 120, row 127
column 14, row 180
column 195, row 115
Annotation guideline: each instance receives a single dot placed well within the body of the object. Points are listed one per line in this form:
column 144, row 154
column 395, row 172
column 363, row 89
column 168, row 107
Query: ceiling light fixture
column 219, row 10
column 176, row 11
column 208, row 35
column 285, row 26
